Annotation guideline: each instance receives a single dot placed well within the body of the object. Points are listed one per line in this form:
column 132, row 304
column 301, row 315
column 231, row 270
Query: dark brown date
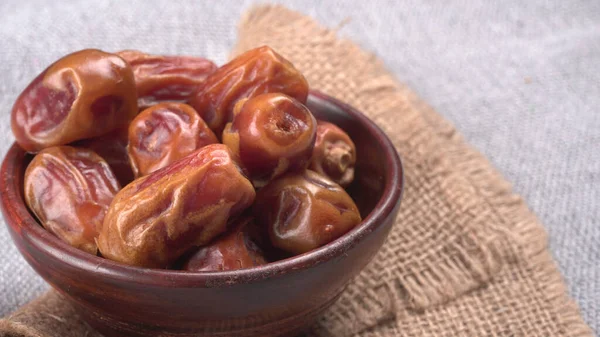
column 112, row 147
column 163, row 134
column 83, row 95
column 157, row 218
column 166, row 78
column 304, row 211
column 271, row 134
column 334, row 154
column 69, row 190
column 233, row 250
column 255, row 72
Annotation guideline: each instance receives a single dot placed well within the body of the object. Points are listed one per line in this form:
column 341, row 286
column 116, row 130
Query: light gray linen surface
column 520, row 79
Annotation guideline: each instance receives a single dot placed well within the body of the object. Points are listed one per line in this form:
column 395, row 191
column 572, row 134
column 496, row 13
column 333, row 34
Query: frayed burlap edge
column 47, row 316
column 518, row 219
column 15, row 329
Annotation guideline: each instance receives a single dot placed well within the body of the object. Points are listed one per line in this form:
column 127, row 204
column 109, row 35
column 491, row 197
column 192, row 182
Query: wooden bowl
column 278, row 299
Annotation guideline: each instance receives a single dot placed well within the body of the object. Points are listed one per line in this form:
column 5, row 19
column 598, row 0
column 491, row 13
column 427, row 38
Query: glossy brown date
column 83, row 95
column 157, row 218
column 255, row 72
column 69, row 190
column 112, row 147
column 233, row 250
column 304, row 211
column 271, row 134
column 166, row 78
column 163, row 134
column 334, row 154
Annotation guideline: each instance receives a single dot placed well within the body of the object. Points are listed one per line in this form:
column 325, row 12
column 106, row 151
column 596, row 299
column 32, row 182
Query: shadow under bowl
column 277, row 299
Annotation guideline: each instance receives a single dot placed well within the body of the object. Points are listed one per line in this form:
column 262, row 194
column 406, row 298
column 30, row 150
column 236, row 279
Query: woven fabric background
column 520, row 81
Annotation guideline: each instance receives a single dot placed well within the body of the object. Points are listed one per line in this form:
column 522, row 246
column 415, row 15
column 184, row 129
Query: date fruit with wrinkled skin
column 69, row 190
column 257, row 71
column 334, row 154
column 112, row 147
column 83, row 95
column 271, row 134
column 233, row 250
column 166, row 78
column 163, row 134
column 157, row 218
column 304, row 211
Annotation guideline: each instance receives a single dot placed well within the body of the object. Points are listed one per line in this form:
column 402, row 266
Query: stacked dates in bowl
column 171, row 162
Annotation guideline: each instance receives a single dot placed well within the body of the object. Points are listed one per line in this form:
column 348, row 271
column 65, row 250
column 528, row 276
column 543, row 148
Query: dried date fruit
column 233, row 250
column 163, row 134
column 166, row 78
column 83, row 95
column 157, row 218
column 302, row 212
column 271, row 134
column 255, row 72
column 69, row 190
column 112, row 147
column 334, row 154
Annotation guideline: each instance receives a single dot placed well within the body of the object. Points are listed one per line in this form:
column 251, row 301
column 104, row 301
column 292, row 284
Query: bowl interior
column 376, row 190
column 371, row 170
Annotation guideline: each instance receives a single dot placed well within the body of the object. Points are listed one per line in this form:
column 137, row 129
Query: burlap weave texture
column 466, row 256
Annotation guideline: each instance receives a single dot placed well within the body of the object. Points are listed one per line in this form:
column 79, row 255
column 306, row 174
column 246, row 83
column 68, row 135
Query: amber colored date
column 163, row 134
column 83, row 95
column 112, row 147
column 271, row 134
column 255, row 72
column 233, row 250
column 304, row 211
column 69, row 190
column 166, row 78
column 334, row 154
column 157, row 218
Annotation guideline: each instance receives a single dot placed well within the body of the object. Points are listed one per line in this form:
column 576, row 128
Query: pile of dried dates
column 173, row 162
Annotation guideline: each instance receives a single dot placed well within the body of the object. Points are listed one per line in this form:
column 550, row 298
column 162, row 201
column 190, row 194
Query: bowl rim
column 21, row 221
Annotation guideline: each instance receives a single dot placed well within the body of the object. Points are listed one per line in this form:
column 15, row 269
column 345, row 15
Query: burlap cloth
column 466, row 257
